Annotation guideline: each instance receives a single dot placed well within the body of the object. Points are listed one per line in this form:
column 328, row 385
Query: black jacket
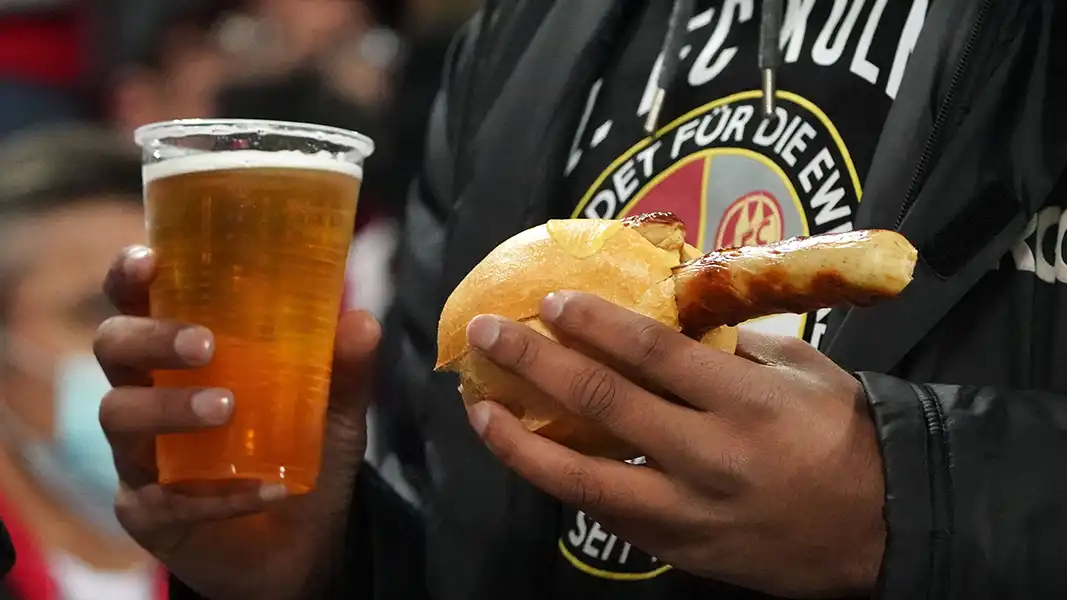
column 976, row 494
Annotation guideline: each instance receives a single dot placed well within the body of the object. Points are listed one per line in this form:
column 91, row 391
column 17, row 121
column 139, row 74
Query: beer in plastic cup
column 251, row 222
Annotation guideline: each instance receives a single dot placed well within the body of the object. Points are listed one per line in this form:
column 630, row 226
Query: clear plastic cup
column 252, row 221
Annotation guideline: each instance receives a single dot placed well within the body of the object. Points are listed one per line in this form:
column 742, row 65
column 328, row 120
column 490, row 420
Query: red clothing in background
column 43, row 49
column 30, row 578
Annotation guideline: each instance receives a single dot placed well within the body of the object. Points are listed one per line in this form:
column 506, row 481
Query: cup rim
column 179, row 128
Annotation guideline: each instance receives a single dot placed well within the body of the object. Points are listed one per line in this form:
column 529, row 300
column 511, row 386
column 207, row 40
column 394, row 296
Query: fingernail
column 483, row 331
column 479, row 417
column 552, row 306
column 195, row 345
column 213, row 406
column 273, row 493
column 133, row 265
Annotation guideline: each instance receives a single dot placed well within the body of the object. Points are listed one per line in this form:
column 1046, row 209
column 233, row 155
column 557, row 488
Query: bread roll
column 611, row 259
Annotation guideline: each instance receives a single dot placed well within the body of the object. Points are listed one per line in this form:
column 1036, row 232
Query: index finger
column 127, row 280
column 695, row 373
column 588, row 388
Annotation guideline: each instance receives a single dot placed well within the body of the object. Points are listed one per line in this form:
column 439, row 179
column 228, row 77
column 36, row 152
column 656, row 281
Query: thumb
column 346, row 428
column 358, row 334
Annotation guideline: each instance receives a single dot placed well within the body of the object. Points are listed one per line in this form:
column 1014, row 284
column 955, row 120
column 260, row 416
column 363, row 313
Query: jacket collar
column 515, row 154
column 517, row 150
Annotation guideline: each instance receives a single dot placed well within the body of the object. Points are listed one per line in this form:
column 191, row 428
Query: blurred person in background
column 75, row 189
column 163, row 60
column 329, row 62
column 41, row 61
column 276, row 37
column 315, row 61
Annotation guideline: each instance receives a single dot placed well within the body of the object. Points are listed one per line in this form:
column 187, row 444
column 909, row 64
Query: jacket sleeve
column 384, row 558
column 976, row 491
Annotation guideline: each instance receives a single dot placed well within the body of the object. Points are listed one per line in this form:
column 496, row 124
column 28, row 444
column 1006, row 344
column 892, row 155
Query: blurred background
column 76, row 78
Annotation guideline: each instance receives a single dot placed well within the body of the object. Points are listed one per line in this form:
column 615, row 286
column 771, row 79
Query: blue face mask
column 80, row 443
column 77, row 465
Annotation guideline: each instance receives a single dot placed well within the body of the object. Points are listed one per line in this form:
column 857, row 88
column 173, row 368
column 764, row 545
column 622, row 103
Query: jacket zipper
column 933, row 142
column 939, row 460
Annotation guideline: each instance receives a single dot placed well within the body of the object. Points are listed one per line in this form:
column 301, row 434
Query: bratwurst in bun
column 643, row 264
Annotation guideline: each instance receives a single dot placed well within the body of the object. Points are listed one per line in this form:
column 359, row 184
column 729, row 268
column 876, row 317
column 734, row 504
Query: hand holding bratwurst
column 643, row 264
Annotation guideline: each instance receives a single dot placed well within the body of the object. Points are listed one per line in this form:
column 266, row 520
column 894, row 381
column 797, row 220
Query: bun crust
column 585, row 255
column 600, row 257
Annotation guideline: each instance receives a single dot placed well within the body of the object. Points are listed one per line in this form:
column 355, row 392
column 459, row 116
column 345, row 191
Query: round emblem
column 736, row 179
column 752, row 220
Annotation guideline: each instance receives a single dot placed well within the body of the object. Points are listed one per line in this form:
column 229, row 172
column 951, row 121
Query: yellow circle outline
column 699, row 111
column 696, row 112
column 601, row 573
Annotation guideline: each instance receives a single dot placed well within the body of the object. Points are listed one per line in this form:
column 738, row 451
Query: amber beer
column 252, row 244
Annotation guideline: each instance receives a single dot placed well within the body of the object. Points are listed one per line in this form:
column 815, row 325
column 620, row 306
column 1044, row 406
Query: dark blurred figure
column 7, row 552
column 428, row 26
column 76, row 190
column 42, row 55
column 161, row 59
column 317, row 61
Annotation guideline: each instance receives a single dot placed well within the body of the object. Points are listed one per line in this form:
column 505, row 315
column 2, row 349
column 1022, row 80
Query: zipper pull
column 769, row 88
column 770, row 55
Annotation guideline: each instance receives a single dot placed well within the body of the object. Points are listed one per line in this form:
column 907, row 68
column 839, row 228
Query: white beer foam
column 249, row 159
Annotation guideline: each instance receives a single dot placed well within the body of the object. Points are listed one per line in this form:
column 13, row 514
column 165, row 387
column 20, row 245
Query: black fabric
column 529, row 131
column 389, row 539
column 967, row 233
column 409, row 110
column 7, row 552
column 1000, row 113
column 483, row 519
column 973, row 512
column 975, row 502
